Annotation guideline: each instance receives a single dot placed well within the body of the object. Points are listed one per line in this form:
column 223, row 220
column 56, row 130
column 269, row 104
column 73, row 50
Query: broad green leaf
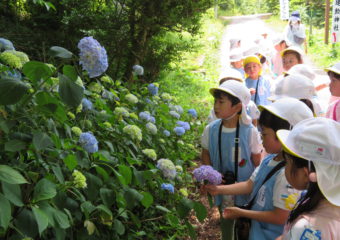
column 184, row 207
column 125, row 171
column 49, row 212
column 43, row 98
column 41, row 218
column 13, row 193
column 5, row 212
column 42, row 141
column 70, row 72
column 173, row 219
column 94, row 184
column 201, row 211
column 107, row 196
column 192, row 232
column 61, row 219
column 119, row 227
column 36, row 71
column 9, row 175
column 147, row 199
column 43, row 190
column 58, row 173
column 87, row 207
column 70, row 161
column 11, row 91
column 70, row 92
column 132, row 197
column 120, row 177
column 15, row 145
column 164, row 209
column 61, row 52
column 25, row 222
column 104, row 209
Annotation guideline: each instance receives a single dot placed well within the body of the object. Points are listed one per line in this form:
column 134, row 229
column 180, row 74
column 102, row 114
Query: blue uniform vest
column 264, row 202
column 263, row 90
column 245, row 165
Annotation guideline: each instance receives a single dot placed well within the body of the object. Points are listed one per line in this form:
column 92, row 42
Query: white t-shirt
column 255, row 141
column 284, row 196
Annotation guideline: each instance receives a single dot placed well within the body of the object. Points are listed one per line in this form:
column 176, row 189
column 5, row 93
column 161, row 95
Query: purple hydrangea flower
column 192, row 112
column 168, row 186
column 153, row 89
column 87, row 104
column 179, row 131
column 152, row 119
column 88, row 142
column 184, row 125
column 207, row 173
column 93, row 57
column 166, row 133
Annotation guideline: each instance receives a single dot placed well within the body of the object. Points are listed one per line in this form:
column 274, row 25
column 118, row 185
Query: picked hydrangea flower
column 87, row 104
column 151, row 128
column 184, row 125
column 192, row 112
column 167, row 167
column 166, row 97
column 88, row 142
column 79, row 180
column 131, row 98
column 168, row 187
column 174, row 114
column 138, row 70
column 121, row 111
column 166, row 133
column 93, row 57
column 77, row 131
column 6, row 44
column 150, row 153
column 179, row 131
column 207, row 173
column 153, row 89
column 133, row 131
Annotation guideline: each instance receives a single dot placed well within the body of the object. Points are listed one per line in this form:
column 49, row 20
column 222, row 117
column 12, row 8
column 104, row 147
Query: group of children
column 291, row 185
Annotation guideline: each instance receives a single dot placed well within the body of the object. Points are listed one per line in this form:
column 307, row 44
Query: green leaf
column 119, row 227
column 5, row 212
column 61, row 219
column 61, row 52
column 70, row 161
column 132, row 197
column 11, row 91
column 15, row 145
column 58, row 173
column 184, row 207
column 26, row 224
column 41, row 218
column 42, row 141
column 70, row 72
column 125, row 171
column 43, row 98
column 13, row 193
column 70, row 92
column 36, row 71
column 164, row 209
column 147, row 199
column 201, row 211
column 43, row 190
column 101, row 171
column 107, row 195
column 192, row 232
column 104, row 209
column 9, row 175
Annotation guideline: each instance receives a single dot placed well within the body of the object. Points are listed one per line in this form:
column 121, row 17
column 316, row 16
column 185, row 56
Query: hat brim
column 292, row 50
column 282, row 135
column 236, row 60
column 212, row 90
column 332, row 69
column 270, row 109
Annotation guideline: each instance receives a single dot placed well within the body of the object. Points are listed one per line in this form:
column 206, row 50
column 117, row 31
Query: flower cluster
column 106, row 79
column 153, row 89
column 166, row 133
column 93, row 57
column 207, row 173
column 79, row 180
column 150, row 153
column 6, row 45
column 95, row 87
column 87, row 104
column 131, row 98
column 121, row 111
column 179, row 131
column 167, row 167
column 184, row 192
column 176, row 108
column 77, row 131
column 192, row 112
column 147, row 117
column 88, row 142
column 168, row 187
column 107, row 124
column 174, row 114
column 166, row 97
column 10, row 59
column 133, row 131
column 138, row 70
column 151, row 128
column 179, row 168
column 184, row 125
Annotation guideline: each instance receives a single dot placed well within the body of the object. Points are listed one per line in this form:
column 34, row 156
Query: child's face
column 334, row 86
column 224, row 109
column 297, row 177
column 289, row 60
column 270, row 141
column 237, row 64
column 253, row 70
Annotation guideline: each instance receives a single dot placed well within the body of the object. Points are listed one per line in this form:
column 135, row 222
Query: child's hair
column 234, row 100
column 311, row 199
column 226, row 79
column 269, row 120
column 298, row 56
column 308, row 103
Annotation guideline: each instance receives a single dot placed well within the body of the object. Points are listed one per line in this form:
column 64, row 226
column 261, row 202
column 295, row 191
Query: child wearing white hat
column 231, row 144
column 236, row 60
column 312, row 151
column 279, row 44
column 291, row 56
column 333, row 111
column 272, row 197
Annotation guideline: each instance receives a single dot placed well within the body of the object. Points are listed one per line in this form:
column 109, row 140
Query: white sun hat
column 335, row 68
column 238, row 90
column 236, row 55
column 317, row 140
column 302, row 69
column 292, row 49
column 231, row 73
column 278, row 38
column 295, row 86
column 290, row 109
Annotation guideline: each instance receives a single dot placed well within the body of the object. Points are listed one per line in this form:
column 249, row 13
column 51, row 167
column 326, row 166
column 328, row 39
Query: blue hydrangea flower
column 207, row 173
column 153, row 89
column 152, row 119
column 166, row 133
column 151, row 128
column 92, row 57
column 174, row 114
column 6, row 45
column 167, row 167
column 87, row 104
column 192, row 112
column 144, row 116
column 147, row 100
column 88, row 142
column 138, row 70
column 179, row 131
column 184, row 125
column 168, row 187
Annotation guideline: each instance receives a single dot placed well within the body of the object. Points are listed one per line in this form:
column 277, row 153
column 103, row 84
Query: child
column 295, row 31
column 333, row 111
column 290, row 57
column 236, row 60
column 274, row 198
column 259, row 86
column 312, row 151
column 231, row 97
column 279, row 45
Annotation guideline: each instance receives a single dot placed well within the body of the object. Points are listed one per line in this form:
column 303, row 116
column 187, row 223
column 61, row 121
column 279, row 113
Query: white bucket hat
column 238, row 90
column 317, row 140
column 236, row 55
column 231, row 73
column 304, row 70
column 335, row 68
column 293, row 49
column 289, row 109
column 278, row 39
column 251, row 49
column 295, row 86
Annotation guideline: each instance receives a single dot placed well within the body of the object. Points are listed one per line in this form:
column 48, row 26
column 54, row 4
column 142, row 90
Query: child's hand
column 232, row 213
column 212, row 189
column 252, row 91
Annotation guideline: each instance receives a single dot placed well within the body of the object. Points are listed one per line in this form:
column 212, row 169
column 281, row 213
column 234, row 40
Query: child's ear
column 238, row 107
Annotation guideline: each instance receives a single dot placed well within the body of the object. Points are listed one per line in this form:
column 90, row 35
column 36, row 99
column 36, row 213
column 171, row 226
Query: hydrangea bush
column 83, row 157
